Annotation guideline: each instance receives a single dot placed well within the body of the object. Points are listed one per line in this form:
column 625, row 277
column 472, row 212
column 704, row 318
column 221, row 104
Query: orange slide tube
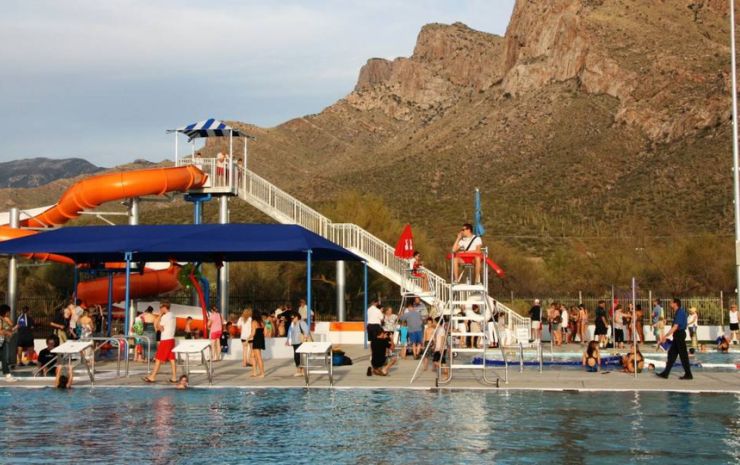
column 148, row 283
column 93, row 192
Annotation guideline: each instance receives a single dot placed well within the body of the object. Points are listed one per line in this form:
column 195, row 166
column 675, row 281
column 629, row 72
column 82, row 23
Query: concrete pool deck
column 279, row 374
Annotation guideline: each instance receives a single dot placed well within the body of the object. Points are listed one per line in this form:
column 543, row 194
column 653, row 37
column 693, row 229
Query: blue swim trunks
column 415, row 337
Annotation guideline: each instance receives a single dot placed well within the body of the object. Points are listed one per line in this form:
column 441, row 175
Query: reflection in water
column 386, row 426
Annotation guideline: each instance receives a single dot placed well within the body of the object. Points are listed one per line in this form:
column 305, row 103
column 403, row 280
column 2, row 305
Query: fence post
column 722, row 309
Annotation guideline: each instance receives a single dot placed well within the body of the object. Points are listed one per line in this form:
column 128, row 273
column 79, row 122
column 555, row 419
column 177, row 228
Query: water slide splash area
column 94, row 191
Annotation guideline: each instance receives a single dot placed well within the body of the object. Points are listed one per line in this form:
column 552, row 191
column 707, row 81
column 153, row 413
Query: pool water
column 223, row 426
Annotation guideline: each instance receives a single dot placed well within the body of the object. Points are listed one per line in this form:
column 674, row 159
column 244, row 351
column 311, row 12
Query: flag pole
column 634, row 333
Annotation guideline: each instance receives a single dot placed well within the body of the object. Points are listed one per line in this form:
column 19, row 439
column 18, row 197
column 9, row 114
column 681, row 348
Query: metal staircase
column 286, row 209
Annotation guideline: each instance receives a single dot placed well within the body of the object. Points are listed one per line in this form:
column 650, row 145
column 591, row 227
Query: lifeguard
column 467, row 248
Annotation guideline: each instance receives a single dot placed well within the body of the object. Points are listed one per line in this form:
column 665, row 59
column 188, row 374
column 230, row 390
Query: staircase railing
column 287, row 209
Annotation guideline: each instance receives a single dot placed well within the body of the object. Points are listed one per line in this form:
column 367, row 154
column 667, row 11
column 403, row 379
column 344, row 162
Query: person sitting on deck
column 379, row 361
column 628, row 362
column 466, row 241
column 45, row 356
column 417, row 271
column 591, row 357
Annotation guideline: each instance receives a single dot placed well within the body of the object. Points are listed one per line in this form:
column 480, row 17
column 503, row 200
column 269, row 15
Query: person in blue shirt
column 678, row 348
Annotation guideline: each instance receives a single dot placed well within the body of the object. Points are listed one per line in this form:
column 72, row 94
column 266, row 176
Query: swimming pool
column 218, row 426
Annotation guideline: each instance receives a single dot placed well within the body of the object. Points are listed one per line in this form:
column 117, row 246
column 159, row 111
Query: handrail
column 285, row 208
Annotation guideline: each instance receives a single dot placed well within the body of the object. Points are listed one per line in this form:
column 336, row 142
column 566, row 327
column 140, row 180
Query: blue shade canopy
column 184, row 243
column 210, row 128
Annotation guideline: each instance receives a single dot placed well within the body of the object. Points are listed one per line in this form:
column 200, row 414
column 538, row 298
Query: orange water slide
column 96, row 190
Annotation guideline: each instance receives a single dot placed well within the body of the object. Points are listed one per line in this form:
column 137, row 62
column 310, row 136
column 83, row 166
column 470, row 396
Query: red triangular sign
column 405, row 244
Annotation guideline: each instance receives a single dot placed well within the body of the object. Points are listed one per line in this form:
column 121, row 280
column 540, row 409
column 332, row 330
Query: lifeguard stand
column 458, row 314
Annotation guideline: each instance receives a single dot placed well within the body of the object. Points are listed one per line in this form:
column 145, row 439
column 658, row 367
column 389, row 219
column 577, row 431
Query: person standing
column 303, row 309
column 25, row 325
column 535, row 314
column 297, row 335
column 149, row 332
column 602, row 324
column 258, row 345
column 7, row 332
column 678, row 347
column 564, row 323
column 244, row 323
column 215, row 327
column 619, row 327
column 414, row 322
column 374, row 320
column 734, row 325
column 582, row 323
column 165, row 323
column 639, row 314
column 693, row 327
column 59, row 324
column 420, row 307
column 657, row 322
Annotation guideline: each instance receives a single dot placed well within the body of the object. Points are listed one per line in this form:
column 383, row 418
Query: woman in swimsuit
column 258, row 345
column 591, row 357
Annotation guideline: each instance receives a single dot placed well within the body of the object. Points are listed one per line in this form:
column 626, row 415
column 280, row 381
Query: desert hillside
column 595, row 129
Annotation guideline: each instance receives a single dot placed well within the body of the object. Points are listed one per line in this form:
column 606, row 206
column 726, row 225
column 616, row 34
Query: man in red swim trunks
column 166, row 324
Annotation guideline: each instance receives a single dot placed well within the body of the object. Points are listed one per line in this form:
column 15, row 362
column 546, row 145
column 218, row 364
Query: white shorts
column 536, row 324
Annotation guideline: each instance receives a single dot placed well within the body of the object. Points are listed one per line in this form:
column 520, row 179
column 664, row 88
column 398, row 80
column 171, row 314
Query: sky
column 103, row 80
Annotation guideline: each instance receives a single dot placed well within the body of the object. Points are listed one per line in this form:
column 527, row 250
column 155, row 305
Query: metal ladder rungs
column 469, row 366
column 466, row 350
column 472, row 333
column 468, row 287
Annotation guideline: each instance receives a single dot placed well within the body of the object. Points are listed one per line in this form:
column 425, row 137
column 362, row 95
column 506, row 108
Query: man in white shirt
column 374, row 320
column 466, row 241
column 165, row 323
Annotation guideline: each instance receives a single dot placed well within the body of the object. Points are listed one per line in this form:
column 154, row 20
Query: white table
column 70, row 348
column 190, row 347
column 311, row 354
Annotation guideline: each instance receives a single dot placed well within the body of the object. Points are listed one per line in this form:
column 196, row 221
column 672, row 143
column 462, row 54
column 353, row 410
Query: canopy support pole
column 110, row 302
column 341, row 282
column 364, row 273
column 12, row 295
column 308, row 287
column 133, row 220
column 231, row 159
column 245, row 152
column 127, row 300
column 75, row 282
column 176, row 149
column 223, row 272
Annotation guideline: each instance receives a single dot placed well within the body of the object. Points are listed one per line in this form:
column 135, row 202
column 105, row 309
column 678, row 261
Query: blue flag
column 478, row 228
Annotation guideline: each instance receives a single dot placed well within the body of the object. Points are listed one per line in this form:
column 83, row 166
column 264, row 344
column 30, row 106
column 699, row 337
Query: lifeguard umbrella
column 405, row 244
column 478, row 228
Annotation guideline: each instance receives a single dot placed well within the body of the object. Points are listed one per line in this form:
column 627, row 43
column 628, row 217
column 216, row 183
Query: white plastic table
column 189, row 347
column 311, row 354
column 70, row 348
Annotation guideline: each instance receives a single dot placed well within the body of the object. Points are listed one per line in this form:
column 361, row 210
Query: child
column 403, row 337
column 591, row 357
column 428, row 336
column 439, row 348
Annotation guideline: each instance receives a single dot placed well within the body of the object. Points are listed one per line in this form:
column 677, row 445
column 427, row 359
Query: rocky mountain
column 35, row 172
column 585, row 114
column 590, row 124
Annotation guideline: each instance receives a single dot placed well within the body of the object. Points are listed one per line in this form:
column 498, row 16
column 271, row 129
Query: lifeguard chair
column 225, row 172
